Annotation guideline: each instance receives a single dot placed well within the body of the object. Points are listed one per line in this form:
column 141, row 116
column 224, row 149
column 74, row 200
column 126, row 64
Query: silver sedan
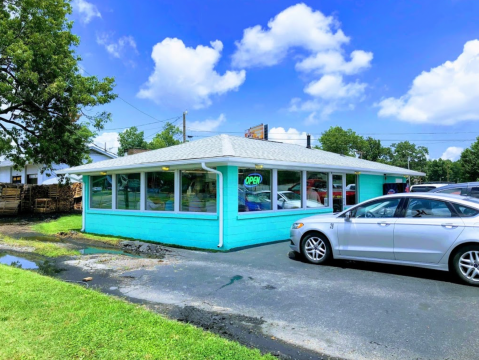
column 434, row 231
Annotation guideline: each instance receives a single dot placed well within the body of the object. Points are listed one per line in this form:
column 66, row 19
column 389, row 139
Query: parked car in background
column 288, row 199
column 425, row 187
column 429, row 230
column 250, row 201
column 464, row 189
column 351, row 187
column 96, row 188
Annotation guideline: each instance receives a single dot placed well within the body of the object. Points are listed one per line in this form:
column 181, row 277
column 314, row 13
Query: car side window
column 376, row 209
column 465, row 211
column 475, row 192
column 428, row 209
column 454, row 191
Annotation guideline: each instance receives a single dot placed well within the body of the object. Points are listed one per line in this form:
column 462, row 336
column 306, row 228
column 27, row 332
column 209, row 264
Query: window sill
column 158, row 214
column 270, row 213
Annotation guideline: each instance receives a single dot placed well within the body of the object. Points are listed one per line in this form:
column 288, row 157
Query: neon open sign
column 253, row 180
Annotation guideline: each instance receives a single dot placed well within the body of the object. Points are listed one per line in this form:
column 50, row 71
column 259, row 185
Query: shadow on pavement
column 409, row 271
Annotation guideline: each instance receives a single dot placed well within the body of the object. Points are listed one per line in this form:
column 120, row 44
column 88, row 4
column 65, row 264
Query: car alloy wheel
column 469, row 265
column 316, row 248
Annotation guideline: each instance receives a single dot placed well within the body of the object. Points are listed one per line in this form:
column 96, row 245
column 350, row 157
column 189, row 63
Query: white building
column 31, row 174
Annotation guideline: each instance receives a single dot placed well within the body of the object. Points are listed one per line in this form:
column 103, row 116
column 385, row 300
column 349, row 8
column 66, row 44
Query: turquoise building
column 224, row 192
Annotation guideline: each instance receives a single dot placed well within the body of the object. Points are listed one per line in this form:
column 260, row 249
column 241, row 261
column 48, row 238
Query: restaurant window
column 289, row 190
column 351, row 191
column 32, row 179
column 101, row 194
column 198, row 191
column 254, row 190
column 317, row 189
column 160, row 191
column 16, row 179
column 128, row 191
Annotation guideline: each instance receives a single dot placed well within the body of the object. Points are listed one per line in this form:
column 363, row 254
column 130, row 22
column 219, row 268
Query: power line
column 134, row 107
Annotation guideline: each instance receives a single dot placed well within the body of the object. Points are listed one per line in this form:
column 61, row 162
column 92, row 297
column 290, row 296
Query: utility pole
column 409, row 176
column 184, row 125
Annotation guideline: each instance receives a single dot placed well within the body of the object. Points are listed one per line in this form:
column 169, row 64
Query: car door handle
column 449, row 226
column 383, row 224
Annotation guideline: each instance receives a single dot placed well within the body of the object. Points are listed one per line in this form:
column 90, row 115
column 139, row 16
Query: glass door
column 351, row 189
column 338, row 192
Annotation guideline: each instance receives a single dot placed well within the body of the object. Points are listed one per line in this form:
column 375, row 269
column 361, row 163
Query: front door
column 369, row 231
column 338, row 192
column 427, row 231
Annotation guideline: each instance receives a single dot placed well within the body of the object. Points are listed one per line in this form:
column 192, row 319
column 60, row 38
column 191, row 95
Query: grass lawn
column 72, row 222
column 49, row 249
column 44, row 318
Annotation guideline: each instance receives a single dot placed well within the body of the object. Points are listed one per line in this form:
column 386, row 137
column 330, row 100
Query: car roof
column 465, row 200
column 435, row 185
column 460, row 185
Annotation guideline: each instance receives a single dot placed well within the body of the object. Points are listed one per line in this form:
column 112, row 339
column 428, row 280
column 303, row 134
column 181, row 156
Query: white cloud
column 332, row 87
column 445, row 95
column 296, row 26
column 111, row 140
column 86, row 10
column 119, row 48
column 300, row 27
column 333, row 62
column 206, row 125
column 290, row 136
column 184, row 77
column 452, row 153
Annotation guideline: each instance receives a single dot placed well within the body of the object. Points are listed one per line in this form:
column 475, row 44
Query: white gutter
column 203, row 165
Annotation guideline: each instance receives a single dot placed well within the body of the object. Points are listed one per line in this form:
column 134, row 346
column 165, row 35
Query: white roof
column 233, row 149
column 92, row 147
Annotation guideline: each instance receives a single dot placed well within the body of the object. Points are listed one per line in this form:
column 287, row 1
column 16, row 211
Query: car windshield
column 291, row 195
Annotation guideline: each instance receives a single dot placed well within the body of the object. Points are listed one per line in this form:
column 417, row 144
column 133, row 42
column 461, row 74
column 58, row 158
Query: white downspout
column 84, row 203
column 203, row 165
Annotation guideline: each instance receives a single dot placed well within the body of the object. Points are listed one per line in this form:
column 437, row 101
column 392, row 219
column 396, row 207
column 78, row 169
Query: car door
column 427, row 231
column 369, row 231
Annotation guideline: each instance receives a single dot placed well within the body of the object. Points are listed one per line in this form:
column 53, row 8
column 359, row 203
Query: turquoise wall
column 371, row 186
column 201, row 230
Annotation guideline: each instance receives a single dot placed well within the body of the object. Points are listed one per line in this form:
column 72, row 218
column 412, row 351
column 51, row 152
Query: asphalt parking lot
column 349, row 310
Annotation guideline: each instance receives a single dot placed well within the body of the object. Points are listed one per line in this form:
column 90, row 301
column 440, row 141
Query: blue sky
column 394, row 70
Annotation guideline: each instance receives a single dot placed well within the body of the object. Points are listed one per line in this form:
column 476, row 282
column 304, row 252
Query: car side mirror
column 347, row 216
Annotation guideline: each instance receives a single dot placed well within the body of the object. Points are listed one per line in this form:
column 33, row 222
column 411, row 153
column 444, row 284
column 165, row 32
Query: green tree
column 470, row 162
column 170, row 136
column 443, row 170
column 371, row 149
column 400, row 152
column 340, row 141
column 131, row 139
column 45, row 102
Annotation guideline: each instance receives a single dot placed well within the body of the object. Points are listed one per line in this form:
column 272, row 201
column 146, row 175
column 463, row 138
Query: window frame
column 90, row 189
column 448, row 204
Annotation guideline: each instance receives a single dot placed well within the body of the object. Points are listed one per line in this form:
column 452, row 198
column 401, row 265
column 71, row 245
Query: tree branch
column 17, row 124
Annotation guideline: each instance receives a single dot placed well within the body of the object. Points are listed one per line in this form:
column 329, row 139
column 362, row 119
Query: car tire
column 316, row 249
column 465, row 264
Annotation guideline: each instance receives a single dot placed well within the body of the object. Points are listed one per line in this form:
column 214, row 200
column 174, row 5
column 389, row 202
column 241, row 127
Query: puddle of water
column 96, row 251
column 45, row 267
column 18, row 262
